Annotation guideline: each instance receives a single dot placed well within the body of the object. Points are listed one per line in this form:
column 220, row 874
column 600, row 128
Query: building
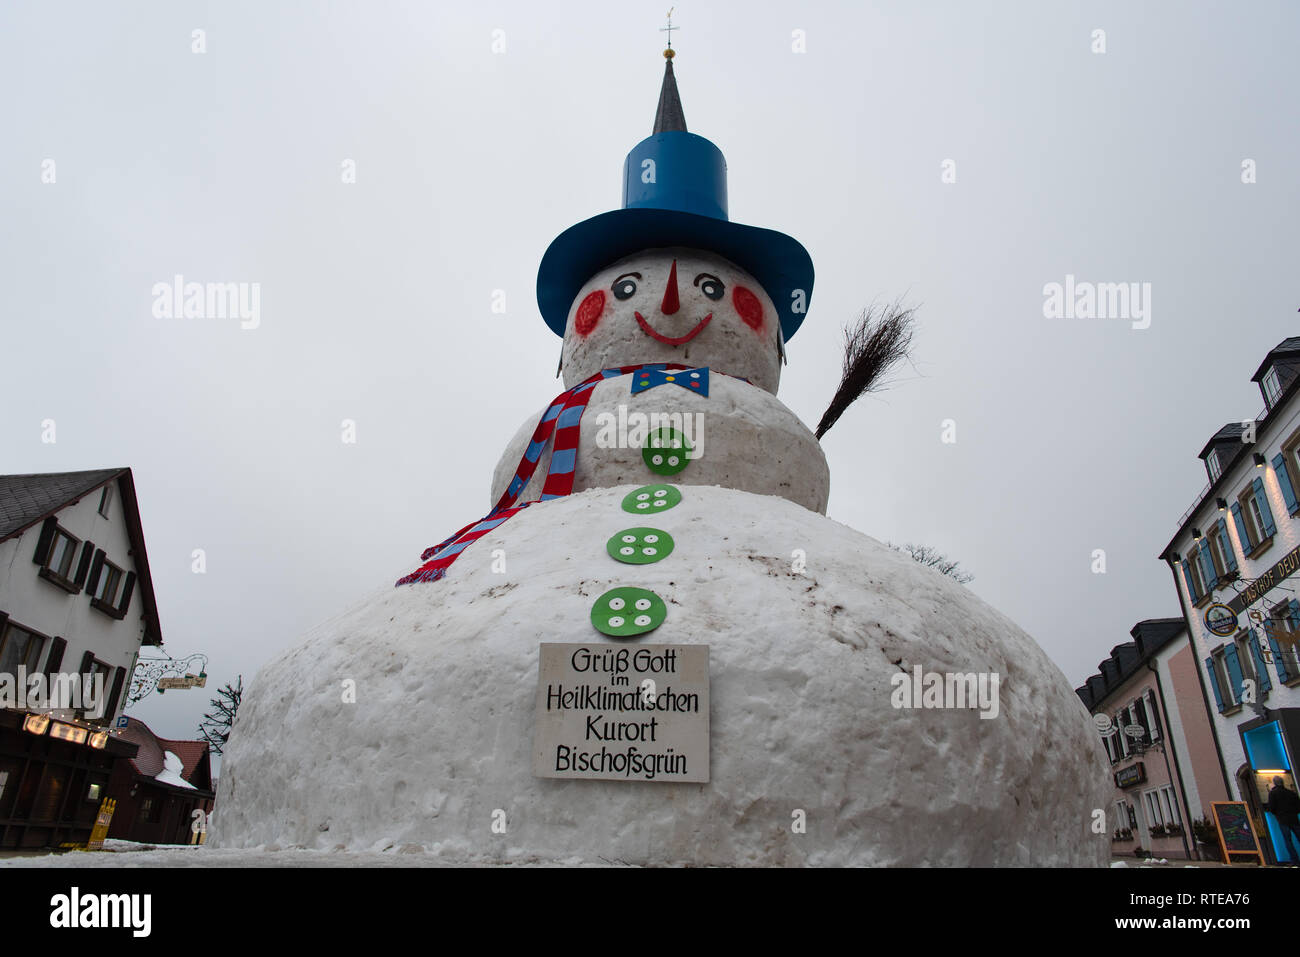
column 1234, row 562
column 159, row 790
column 1166, row 769
column 76, row 604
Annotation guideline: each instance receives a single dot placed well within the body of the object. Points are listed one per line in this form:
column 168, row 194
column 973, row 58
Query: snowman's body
column 808, row 624
column 745, row 438
column 409, row 720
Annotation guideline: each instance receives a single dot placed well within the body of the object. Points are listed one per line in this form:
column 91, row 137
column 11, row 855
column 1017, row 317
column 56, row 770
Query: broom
column 879, row 339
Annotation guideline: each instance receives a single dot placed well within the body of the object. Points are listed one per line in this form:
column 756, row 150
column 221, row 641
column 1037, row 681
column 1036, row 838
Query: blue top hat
column 674, row 194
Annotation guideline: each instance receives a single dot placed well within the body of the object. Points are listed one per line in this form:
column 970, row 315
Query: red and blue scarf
column 561, row 418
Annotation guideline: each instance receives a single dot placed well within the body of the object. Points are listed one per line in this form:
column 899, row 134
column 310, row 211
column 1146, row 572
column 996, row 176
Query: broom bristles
column 879, row 339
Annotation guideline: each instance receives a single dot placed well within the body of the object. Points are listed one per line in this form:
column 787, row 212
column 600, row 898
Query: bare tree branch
column 931, row 557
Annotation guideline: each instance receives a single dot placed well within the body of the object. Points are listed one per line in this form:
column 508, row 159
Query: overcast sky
column 376, row 296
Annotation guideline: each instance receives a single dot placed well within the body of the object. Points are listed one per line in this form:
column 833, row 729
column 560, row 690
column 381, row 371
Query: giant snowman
column 408, row 723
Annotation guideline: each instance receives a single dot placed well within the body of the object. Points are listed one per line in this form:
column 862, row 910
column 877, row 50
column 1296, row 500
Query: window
column 106, row 499
column 18, row 646
column 1172, row 798
column 1256, row 514
column 146, row 809
column 1153, row 716
column 1272, row 387
column 1140, row 718
column 1212, row 464
column 92, row 793
column 110, row 588
column 63, row 550
column 1154, row 816
column 110, row 577
column 1223, row 670
column 1192, row 575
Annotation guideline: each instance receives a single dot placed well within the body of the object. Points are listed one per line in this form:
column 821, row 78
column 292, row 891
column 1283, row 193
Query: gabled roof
column 1128, row 659
column 26, row 500
column 1287, row 347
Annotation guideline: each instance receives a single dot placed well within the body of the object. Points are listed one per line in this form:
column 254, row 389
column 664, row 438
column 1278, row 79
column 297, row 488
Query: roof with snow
column 28, row 499
column 151, row 761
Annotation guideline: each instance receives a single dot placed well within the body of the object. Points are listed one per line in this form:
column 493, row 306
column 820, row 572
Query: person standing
column 1285, row 806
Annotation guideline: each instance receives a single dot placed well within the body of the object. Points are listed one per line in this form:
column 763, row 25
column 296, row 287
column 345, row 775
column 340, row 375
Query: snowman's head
column 673, row 305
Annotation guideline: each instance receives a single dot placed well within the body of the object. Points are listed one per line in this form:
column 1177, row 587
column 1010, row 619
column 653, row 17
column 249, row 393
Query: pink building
column 1151, row 713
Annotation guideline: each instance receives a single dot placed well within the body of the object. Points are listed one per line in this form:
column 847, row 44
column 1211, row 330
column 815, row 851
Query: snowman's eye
column 711, row 286
column 624, row 286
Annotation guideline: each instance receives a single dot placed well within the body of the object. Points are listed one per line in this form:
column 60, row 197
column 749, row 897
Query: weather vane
column 669, row 30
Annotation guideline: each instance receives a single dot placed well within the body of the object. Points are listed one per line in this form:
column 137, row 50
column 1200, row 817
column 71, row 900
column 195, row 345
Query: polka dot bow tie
column 693, row 380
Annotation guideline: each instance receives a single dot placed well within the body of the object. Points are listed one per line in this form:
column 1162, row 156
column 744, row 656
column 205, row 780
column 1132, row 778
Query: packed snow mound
column 437, row 745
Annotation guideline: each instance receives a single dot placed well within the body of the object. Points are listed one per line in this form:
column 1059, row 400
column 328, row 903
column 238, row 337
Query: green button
column 625, row 612
column 639, row 546
column 665, row 451
column 651, row 498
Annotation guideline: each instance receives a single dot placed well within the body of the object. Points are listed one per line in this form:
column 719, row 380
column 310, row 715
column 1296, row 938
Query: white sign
column 1134, row 731
column 622, row 712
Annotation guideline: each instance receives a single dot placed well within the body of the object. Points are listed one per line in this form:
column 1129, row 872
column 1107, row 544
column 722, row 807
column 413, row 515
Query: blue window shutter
column 1261, row 673
column 1262, row 501
column 1214, row 682
column 1225, row 546
column 1191, row 582
column 1235, row 677
column 1242, row 531
column 1208, row 573
column 1284, row 482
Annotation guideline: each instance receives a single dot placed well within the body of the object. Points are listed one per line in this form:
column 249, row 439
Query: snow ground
column 129, row 854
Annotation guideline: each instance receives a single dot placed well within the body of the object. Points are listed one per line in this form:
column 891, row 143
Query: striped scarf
column 561, row 418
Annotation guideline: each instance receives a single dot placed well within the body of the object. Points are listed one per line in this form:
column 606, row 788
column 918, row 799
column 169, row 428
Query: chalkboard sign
column 1236, row 836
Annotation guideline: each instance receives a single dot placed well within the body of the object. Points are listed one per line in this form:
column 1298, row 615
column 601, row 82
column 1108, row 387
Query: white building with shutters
column 1236, row 565
column 76, row 604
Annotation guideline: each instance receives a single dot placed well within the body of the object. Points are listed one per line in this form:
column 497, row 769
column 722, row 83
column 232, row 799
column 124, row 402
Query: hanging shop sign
column 1103, row 724
column 1266, row 582
column 1135, row 773
column 189, row 681
column 1220, row 619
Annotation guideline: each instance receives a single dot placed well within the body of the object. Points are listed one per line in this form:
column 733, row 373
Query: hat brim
column 778, row 262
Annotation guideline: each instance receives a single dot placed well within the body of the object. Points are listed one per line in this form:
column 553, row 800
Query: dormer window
column 1212, row 464
column 1272, row 387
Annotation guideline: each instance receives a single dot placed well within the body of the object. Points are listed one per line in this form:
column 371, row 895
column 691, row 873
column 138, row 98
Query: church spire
column 669, row 116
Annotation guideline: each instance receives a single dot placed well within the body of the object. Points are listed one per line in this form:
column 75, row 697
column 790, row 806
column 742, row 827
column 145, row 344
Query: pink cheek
column 748, row 307
column 589, row 313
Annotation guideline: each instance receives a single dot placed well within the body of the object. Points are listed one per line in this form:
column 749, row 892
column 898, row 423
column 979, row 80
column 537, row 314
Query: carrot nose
column 671, row 302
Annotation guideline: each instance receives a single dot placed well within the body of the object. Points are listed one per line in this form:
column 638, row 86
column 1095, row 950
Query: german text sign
column 622, row 712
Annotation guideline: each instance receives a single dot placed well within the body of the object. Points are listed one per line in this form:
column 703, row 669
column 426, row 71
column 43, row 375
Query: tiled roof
column 26, row 499
column 150, row 761
column 1288, row 346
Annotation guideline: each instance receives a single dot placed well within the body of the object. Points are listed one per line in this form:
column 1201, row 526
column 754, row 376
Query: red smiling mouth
column 671, row 340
